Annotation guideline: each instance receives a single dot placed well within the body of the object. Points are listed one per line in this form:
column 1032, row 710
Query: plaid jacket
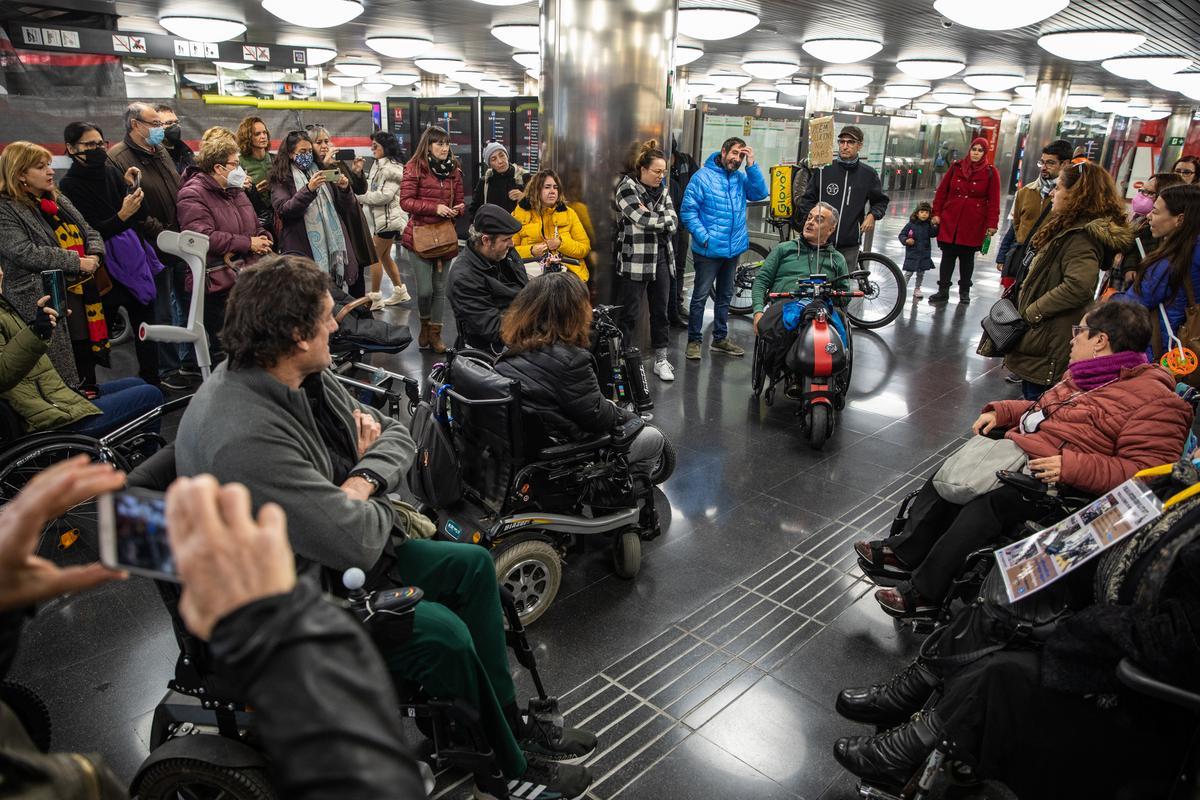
column 636, row 243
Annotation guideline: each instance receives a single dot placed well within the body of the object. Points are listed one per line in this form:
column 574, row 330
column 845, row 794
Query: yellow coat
column 561, row 220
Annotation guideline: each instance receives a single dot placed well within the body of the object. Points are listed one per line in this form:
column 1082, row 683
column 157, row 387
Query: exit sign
column 1175, row 141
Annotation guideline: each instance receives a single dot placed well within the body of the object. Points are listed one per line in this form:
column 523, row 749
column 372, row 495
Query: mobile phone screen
column 331, row 175
column 133, row 534
column 345, row 154
column 54, row 284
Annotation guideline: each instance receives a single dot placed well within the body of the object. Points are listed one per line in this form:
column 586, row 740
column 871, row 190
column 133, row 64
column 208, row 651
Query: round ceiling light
column 531, row 61
column 376, row 86
column 357, row 69
column 502, row 2
column 398, row 46
column 1090, row 45
column 200, row 78
column 440, row 66
column 1021, row 109
column 845, row 80
column 930, row 69
column 1145, row 67
column 468, row 76
column 892, row 102
column 984, row 17
column 793, row 88
column 962, row 111
column 158, row 68
column 685, row 54
column 712, row 24
column 929, row 106
column 906, row 90
column 1026, row 90
column 842, row 51
column 953, row 96
column 760, row 95
column 992, row 82
column 1154, row 113
column 232, row 65
column 522, row 37
column 729, row 80
column 345, row 81
column 314, row 13
column 400, row 78
column 203, row 29
column 700, row 87
column 770, row 70
column 850, row 96
column 1082, row 99
column 992, row 103
column 1187, row 83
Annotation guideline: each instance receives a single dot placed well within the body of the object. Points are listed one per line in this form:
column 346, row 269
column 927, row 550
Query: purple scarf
column 1094, row 372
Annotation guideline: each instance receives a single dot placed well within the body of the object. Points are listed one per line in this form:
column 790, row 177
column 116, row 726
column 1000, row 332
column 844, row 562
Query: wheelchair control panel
column 382, row 608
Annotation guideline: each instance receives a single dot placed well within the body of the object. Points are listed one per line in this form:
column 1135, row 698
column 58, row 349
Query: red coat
column 1108, row 434
column 421, row 192
column 967, row 207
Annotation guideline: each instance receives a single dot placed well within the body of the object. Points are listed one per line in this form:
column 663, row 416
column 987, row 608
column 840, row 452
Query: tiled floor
column 713, row 673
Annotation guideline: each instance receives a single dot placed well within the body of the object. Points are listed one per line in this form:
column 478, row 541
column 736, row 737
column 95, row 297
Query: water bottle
column 987, row 243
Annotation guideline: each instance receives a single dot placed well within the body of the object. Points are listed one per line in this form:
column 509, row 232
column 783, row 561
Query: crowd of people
column 1104, row 293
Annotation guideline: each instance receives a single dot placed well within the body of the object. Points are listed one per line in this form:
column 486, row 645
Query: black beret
column 492, row 219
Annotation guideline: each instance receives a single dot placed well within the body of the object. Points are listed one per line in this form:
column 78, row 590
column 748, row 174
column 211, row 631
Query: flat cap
column 492, row 219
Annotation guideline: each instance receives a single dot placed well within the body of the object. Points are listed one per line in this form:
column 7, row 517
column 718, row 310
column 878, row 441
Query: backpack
column 435, row 477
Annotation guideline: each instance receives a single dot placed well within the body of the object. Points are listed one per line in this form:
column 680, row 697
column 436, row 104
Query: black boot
column 942, row 295
column 964, row 295
column 890, row 758
column 889, row 703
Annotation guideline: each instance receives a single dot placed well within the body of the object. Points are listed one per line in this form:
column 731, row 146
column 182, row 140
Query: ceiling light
column 906, row 90
column 1154, row 113
column 685, row 54
column 930, row 69
column 770, row 70
column 850, row 96
column 522, row 37
column 953, row 96
column 1021, row 109
column 962, row 111
column 844, row 80
column 232, row 65
column 314, row 13
column 203, row 29
column 720, row 98
column 892, row 102
column 1187, row 83
column 345, row 80
column 536, row 74
column 715, row 23
column 471, row 76
column 760, row 95
column 842, row 51
column 700, row 87
column 201, row 78
column 448, row 88
column 400, row 78
column 729, row 80
column 158, row 68
column 1090, row 45
column 1145, row 67
column 1110, row 106
column 1082, row 99
column 398, row 46
column 992, row 82
column 992, row 103
column 440, row 66
column 1026, row 90
column 929, row 106
column 358, row 69
column 531, row 61
column 319, row 55
column 136, row 73
column 502, row 2
column 376, row 87
column 793, row 88
column 985, row 17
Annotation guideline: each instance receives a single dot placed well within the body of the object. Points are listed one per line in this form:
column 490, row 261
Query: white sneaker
column 399, row 295
column 663, row 369
column 376, row 301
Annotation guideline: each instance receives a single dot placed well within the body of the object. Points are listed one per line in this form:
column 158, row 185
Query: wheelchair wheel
column 175, row 778
column 819, row 419
column 532, row 570
column 758, row 371
column 884, row 288
column 627, row 555
column 665, row 466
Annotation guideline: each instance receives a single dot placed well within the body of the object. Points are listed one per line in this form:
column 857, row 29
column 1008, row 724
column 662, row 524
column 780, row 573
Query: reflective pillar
column 605, row 67
column 1049, row 106
column 820, row 99
column 1007, row 144
column 1178, row 125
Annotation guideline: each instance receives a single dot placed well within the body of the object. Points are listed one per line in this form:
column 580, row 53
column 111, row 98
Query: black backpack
column 435, row 477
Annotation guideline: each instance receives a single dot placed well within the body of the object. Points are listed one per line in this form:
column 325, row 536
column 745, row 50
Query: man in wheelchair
column 485, row 278
column 777, row 323
column 273, row 418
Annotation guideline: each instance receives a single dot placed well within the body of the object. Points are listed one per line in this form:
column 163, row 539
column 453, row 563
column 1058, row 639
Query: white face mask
column 236, row 178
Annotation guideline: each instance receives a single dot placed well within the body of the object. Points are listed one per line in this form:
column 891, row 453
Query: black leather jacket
column 480, row 291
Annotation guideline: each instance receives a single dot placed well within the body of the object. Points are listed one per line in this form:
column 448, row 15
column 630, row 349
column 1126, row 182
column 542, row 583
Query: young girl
column 917, row 237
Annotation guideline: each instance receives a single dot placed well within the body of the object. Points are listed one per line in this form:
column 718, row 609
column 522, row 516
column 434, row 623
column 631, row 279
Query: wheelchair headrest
column 475, row 380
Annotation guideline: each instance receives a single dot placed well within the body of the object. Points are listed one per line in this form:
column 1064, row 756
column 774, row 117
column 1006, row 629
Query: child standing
column 917, row 237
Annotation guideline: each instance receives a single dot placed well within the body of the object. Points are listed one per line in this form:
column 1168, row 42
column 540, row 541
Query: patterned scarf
column 88, row 322
column 324, row 231
column 440, row 168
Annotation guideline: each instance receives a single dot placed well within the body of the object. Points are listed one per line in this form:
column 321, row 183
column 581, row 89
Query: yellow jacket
column 561, row 221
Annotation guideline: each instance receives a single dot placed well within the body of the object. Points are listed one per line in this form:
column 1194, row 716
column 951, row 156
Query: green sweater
column 258, row 169
column 792, row 261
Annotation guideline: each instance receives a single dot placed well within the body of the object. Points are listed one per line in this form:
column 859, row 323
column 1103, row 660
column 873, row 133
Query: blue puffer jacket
column 714, row 208
column 1155, row 288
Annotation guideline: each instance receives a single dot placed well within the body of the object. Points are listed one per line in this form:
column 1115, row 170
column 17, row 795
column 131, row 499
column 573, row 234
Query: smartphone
column 54, row 284
column 345, row 154
column 137, row 182
column 133, row 534
column 331, row 175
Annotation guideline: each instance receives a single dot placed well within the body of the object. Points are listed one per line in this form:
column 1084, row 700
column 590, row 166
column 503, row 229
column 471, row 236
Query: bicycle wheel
column 884, row 290
column 741, row 303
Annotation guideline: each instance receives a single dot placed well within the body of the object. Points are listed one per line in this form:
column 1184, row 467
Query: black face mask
column 173, row 134
column 91, row 159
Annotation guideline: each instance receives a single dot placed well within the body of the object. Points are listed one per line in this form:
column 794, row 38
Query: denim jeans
column 1032, row 391
column 709, row 270
column 120, row 401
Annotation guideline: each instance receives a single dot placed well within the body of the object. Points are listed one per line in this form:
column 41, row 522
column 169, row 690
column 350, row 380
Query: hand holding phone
column 331, row 175
column 54, row 286
column 133, row 534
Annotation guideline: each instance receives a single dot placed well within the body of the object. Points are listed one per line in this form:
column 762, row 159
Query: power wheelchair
column 525, row 498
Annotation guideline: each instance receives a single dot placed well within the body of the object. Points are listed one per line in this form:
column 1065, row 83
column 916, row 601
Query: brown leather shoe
column 435, row 338
column 904, row 604
column 423, row 336
column 877, row 560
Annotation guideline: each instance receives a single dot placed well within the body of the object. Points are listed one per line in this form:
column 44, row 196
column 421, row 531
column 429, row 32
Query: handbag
column 1003, row 327
column 970, row 471
column 432, row 241
column 217, row 279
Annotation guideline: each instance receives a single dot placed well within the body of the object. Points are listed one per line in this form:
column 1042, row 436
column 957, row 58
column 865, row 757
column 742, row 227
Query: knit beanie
column 490, row 149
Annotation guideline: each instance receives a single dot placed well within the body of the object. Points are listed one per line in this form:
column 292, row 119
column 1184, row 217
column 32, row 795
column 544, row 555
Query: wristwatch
column 376, row 484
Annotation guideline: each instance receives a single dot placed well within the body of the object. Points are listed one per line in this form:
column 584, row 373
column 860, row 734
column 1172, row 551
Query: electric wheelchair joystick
column 385, row 609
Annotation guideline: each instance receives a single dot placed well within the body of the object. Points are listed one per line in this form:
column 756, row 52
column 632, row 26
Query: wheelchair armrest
column 1135, row 678
column 574, row 448
column 623, row 434
column 348, row 309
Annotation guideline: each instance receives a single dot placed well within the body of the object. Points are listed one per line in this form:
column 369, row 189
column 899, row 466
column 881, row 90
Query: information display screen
column 400, row 122
column 495, row 121
column 527, row 134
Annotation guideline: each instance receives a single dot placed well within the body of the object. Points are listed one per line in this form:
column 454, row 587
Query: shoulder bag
column 1003, row 326
column 433, row 241
column 970, row 471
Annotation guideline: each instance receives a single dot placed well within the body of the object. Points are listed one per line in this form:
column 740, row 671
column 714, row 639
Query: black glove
column 42, row 325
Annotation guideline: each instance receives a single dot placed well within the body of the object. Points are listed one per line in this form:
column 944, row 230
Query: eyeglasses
column 658, row 172
column 1042, row 164
column 847, row 141
column 1185, row 172
column 1147, row 193
column 85, row 146
column 1078, row 329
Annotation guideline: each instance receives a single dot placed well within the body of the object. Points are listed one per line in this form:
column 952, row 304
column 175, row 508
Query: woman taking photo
column 549, row 226
column 101, row 194
column 42, row 230
column 307, row 204
column 644, row 254
column 966, row 210
column 1186, row 167
column 1172, row 274
column 431, row 192
column 1129, row 263
column 382, row 198
column 1084, row 230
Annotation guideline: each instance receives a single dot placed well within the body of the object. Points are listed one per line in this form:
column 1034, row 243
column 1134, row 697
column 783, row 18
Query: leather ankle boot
column 890, row 758
column 435, row 338
column 889, row 703
column 423, row 337
column 964, row 295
